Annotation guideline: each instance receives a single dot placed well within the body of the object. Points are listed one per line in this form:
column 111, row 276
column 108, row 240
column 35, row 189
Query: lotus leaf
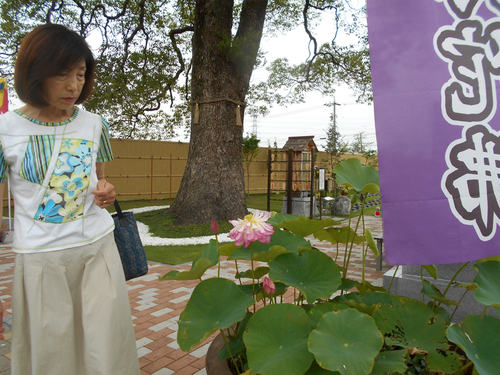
column 215, row 304
column 257, row 274
column 304, row 226
column 411, row 324
column 479, row 337
column 342, row 235
column 488, row 283
column 314, row 273
column 346, row 341
column 276, row 341
column 350, row 172
column 315, row 369
column 317, row 312
column 390, row 362
column 197, row 270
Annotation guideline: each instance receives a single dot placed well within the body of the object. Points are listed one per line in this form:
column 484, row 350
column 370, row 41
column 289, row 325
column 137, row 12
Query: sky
column 311, row 118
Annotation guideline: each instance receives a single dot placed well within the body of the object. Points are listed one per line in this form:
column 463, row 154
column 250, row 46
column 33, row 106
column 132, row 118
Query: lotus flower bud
column 269, row 286
column 214, row 227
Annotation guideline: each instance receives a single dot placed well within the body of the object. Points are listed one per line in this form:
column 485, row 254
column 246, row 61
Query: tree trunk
column 213, row 184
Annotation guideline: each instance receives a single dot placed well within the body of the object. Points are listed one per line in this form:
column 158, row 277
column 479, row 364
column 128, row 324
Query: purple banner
column 436, row 71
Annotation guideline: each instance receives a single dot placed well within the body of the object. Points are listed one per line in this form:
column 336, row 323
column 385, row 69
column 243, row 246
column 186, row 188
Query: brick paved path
column 156, row 306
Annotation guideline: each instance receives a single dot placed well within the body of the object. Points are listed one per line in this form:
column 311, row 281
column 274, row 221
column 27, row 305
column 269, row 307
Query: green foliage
column 276, row 340
column 215, row 304
column 362, row 179
column 143, row 50
column 478, row 336
column 360, row 146
column 328, row 328
column 346, row 341
column 336, row 147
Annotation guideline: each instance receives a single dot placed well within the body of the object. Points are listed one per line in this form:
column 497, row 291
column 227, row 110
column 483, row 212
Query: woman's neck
column 47, row 114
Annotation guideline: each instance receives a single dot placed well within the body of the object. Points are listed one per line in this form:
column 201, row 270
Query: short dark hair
column 46, row 51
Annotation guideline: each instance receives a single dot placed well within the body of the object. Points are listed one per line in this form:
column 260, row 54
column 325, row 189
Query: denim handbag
column 129, row 244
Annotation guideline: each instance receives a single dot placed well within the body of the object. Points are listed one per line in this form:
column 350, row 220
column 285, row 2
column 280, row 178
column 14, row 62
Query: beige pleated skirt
column 71, row 313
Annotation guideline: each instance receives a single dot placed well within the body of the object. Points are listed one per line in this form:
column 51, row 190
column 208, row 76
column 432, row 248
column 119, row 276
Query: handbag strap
column 121, row 216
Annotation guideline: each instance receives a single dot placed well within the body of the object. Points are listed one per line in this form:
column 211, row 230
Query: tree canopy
column 168, row 63
column 144, row 54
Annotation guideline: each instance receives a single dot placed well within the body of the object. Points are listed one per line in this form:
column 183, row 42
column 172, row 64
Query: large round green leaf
column 215, row 304
column 488, row 283
column 390, row 362
column 314, row 273
column 479, row 337
column 411, row 324
column 362, row 179
column 276, row 341
column 315, row 369
column 281, row 242
column 197, row 270
column 209, row 257
column 346, row 341
column 304, row 226
column 317, row 312
column 339, row 235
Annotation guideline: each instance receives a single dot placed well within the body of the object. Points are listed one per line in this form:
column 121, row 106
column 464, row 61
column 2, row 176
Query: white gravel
column 149, row 240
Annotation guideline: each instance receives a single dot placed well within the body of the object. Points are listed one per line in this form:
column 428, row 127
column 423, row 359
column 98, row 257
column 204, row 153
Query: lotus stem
column 237, row 271
column 453, row 279
column 229, row 351
column 464, row 368
column 456, row 308
column 363, row 250
column 253, row 277
column 392, row 280
column 422, row 278
column 218, row 255
column 352, row 243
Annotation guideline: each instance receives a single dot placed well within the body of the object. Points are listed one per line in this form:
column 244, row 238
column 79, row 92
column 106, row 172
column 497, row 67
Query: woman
column 70, row 307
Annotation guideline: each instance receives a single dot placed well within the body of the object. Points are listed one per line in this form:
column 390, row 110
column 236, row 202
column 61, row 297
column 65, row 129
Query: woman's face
column 61, row 91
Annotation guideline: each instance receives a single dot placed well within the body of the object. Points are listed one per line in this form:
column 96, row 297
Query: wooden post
column 289, row 177
column 170, row 199
column 311, row 204
column 269, row 172
column 152, row 161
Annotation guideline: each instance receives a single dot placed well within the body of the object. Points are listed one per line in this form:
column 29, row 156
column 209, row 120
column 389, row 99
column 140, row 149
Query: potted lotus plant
column 295, row 311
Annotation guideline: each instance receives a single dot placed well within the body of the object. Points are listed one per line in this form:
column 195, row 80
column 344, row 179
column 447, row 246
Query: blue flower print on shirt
column 49, row 212
column 81, row 160
column 63, row 164
column 71, row 186
column 67, row 144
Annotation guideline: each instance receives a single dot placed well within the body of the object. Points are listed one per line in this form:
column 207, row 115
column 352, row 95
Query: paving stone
column 156, row 306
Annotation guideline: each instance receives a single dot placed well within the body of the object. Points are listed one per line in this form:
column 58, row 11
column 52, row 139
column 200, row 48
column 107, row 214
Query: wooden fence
column 153, row 169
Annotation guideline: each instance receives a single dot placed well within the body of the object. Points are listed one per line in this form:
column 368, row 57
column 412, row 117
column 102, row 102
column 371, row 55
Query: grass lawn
column 161, row 225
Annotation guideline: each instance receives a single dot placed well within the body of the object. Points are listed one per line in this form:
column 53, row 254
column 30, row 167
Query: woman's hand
column 104, row 195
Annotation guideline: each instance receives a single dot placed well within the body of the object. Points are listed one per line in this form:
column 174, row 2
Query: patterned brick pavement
column 156, row 306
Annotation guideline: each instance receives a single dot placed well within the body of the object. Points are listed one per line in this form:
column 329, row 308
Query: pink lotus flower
column 252, row 228
column 214, row 227
column 269, row 287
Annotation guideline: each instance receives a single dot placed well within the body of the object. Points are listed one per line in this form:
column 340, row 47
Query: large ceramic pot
column 213, row 365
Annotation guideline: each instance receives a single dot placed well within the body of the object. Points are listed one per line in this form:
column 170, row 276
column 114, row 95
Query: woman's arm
column 104, row 195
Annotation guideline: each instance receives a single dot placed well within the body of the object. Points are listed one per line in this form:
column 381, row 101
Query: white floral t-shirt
column 52, row 171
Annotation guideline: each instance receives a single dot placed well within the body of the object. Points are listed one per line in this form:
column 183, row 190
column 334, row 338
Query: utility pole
column 334, row 115
column 254, row 130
